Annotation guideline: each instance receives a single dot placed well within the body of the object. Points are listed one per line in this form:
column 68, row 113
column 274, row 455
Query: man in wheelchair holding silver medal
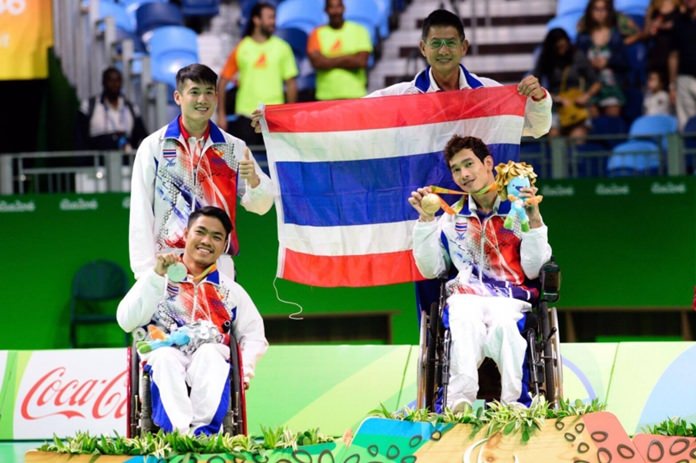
column 182, row 314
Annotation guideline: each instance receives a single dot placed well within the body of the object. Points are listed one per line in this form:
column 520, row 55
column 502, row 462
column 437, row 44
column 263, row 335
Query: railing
column 110, row 171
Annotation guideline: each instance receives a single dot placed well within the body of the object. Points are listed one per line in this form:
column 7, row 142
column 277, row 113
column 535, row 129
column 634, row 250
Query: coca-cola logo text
column 57, row 394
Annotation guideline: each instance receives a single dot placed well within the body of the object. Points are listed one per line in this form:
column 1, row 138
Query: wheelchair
column 542, row 372
column 139, row 408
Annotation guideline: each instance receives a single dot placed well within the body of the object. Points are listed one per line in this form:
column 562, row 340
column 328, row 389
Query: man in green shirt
column 339, row 52
column 261, row 64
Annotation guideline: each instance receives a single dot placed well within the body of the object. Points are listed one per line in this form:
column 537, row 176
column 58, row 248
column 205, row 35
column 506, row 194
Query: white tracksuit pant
column 482, row 327
column 205, row 371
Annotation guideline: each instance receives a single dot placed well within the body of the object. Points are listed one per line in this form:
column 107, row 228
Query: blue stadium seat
column 654, row 127
column 564, row 7
column 303, row 14
column 385, row 11
column 634, row 157
column 133, row 5
column 171, row 48
column 297, row 39
column 150, row 16
column 118, row 12
column 200, row 7
column 567, row 22
column 367, row 13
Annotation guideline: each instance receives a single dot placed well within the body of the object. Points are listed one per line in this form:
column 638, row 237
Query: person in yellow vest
column 261, row 64
column 339, row 52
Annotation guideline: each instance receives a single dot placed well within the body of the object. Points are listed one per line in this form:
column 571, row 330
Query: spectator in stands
column 109, row 121
column 601, row 13
column 339, row 52
column 185, row 165
column 199, row 307
column 260, row 64
column 567, row 74
column 600, row 38
column 493, row 264
column 659, row 21
column 682, row 63
column 656, row 98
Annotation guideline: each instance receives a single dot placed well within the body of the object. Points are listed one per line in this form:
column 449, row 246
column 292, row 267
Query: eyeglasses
column 436, row 44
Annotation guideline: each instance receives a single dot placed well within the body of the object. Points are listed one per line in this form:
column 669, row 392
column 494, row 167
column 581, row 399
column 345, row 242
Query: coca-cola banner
column 64, row 391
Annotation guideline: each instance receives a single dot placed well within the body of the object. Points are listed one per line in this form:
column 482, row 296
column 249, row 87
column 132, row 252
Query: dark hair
column 110, row 70
column 549, row 58
column 442, row 18
column 211, row 211
column 199, row 73
column 255, row 13
column 326, row 4
column 588, row 24
column 458, row 143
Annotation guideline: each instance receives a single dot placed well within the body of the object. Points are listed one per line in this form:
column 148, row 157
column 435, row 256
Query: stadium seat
column 95, row 286
column 365, row 13
column 297, row 39
column 564, row 7
column 118, row 12
column 171, row 48
column 200, row 7
column 302, row 14
column 150, row 16
column 132, row 5
column 634, row 157
column 385, row 12
column 654, row 127
column 567, row 22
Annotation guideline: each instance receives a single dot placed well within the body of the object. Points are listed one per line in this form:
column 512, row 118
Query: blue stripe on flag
column 326, row 194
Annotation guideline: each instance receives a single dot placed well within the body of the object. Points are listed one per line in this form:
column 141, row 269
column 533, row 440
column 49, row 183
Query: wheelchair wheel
column 234, row 421
column 422, row 362
column 147, row 426
column 553, row 365
column 133, row 395
column 428, row 355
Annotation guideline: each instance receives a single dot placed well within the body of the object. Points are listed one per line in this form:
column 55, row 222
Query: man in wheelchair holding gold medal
column 495, row 262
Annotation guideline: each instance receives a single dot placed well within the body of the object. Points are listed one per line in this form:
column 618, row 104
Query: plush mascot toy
column 510, row 179
column 159, row 338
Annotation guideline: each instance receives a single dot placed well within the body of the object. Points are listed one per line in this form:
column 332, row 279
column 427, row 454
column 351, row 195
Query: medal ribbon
column 446, row 207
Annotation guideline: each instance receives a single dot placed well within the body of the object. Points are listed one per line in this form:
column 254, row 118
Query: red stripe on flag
column 353, row 271
column 394, row 111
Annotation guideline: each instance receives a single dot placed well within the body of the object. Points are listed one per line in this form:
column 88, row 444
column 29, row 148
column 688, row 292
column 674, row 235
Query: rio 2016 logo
column 13, row 7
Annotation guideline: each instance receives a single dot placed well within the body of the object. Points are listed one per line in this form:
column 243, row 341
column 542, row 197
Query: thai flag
column 344, row 170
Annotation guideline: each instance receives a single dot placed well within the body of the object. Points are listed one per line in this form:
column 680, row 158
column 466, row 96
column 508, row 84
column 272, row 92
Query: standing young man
column 200, row 308
column 339, row 52
column 261, row 64
column 443, row 45
column 188, row 164
column 494, row 267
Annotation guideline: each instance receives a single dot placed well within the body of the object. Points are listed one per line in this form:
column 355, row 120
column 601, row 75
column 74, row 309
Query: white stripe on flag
column 348, row 240
column 389, row 142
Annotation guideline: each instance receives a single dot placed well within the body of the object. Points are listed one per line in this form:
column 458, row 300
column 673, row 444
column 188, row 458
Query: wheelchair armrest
column 550, row 277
